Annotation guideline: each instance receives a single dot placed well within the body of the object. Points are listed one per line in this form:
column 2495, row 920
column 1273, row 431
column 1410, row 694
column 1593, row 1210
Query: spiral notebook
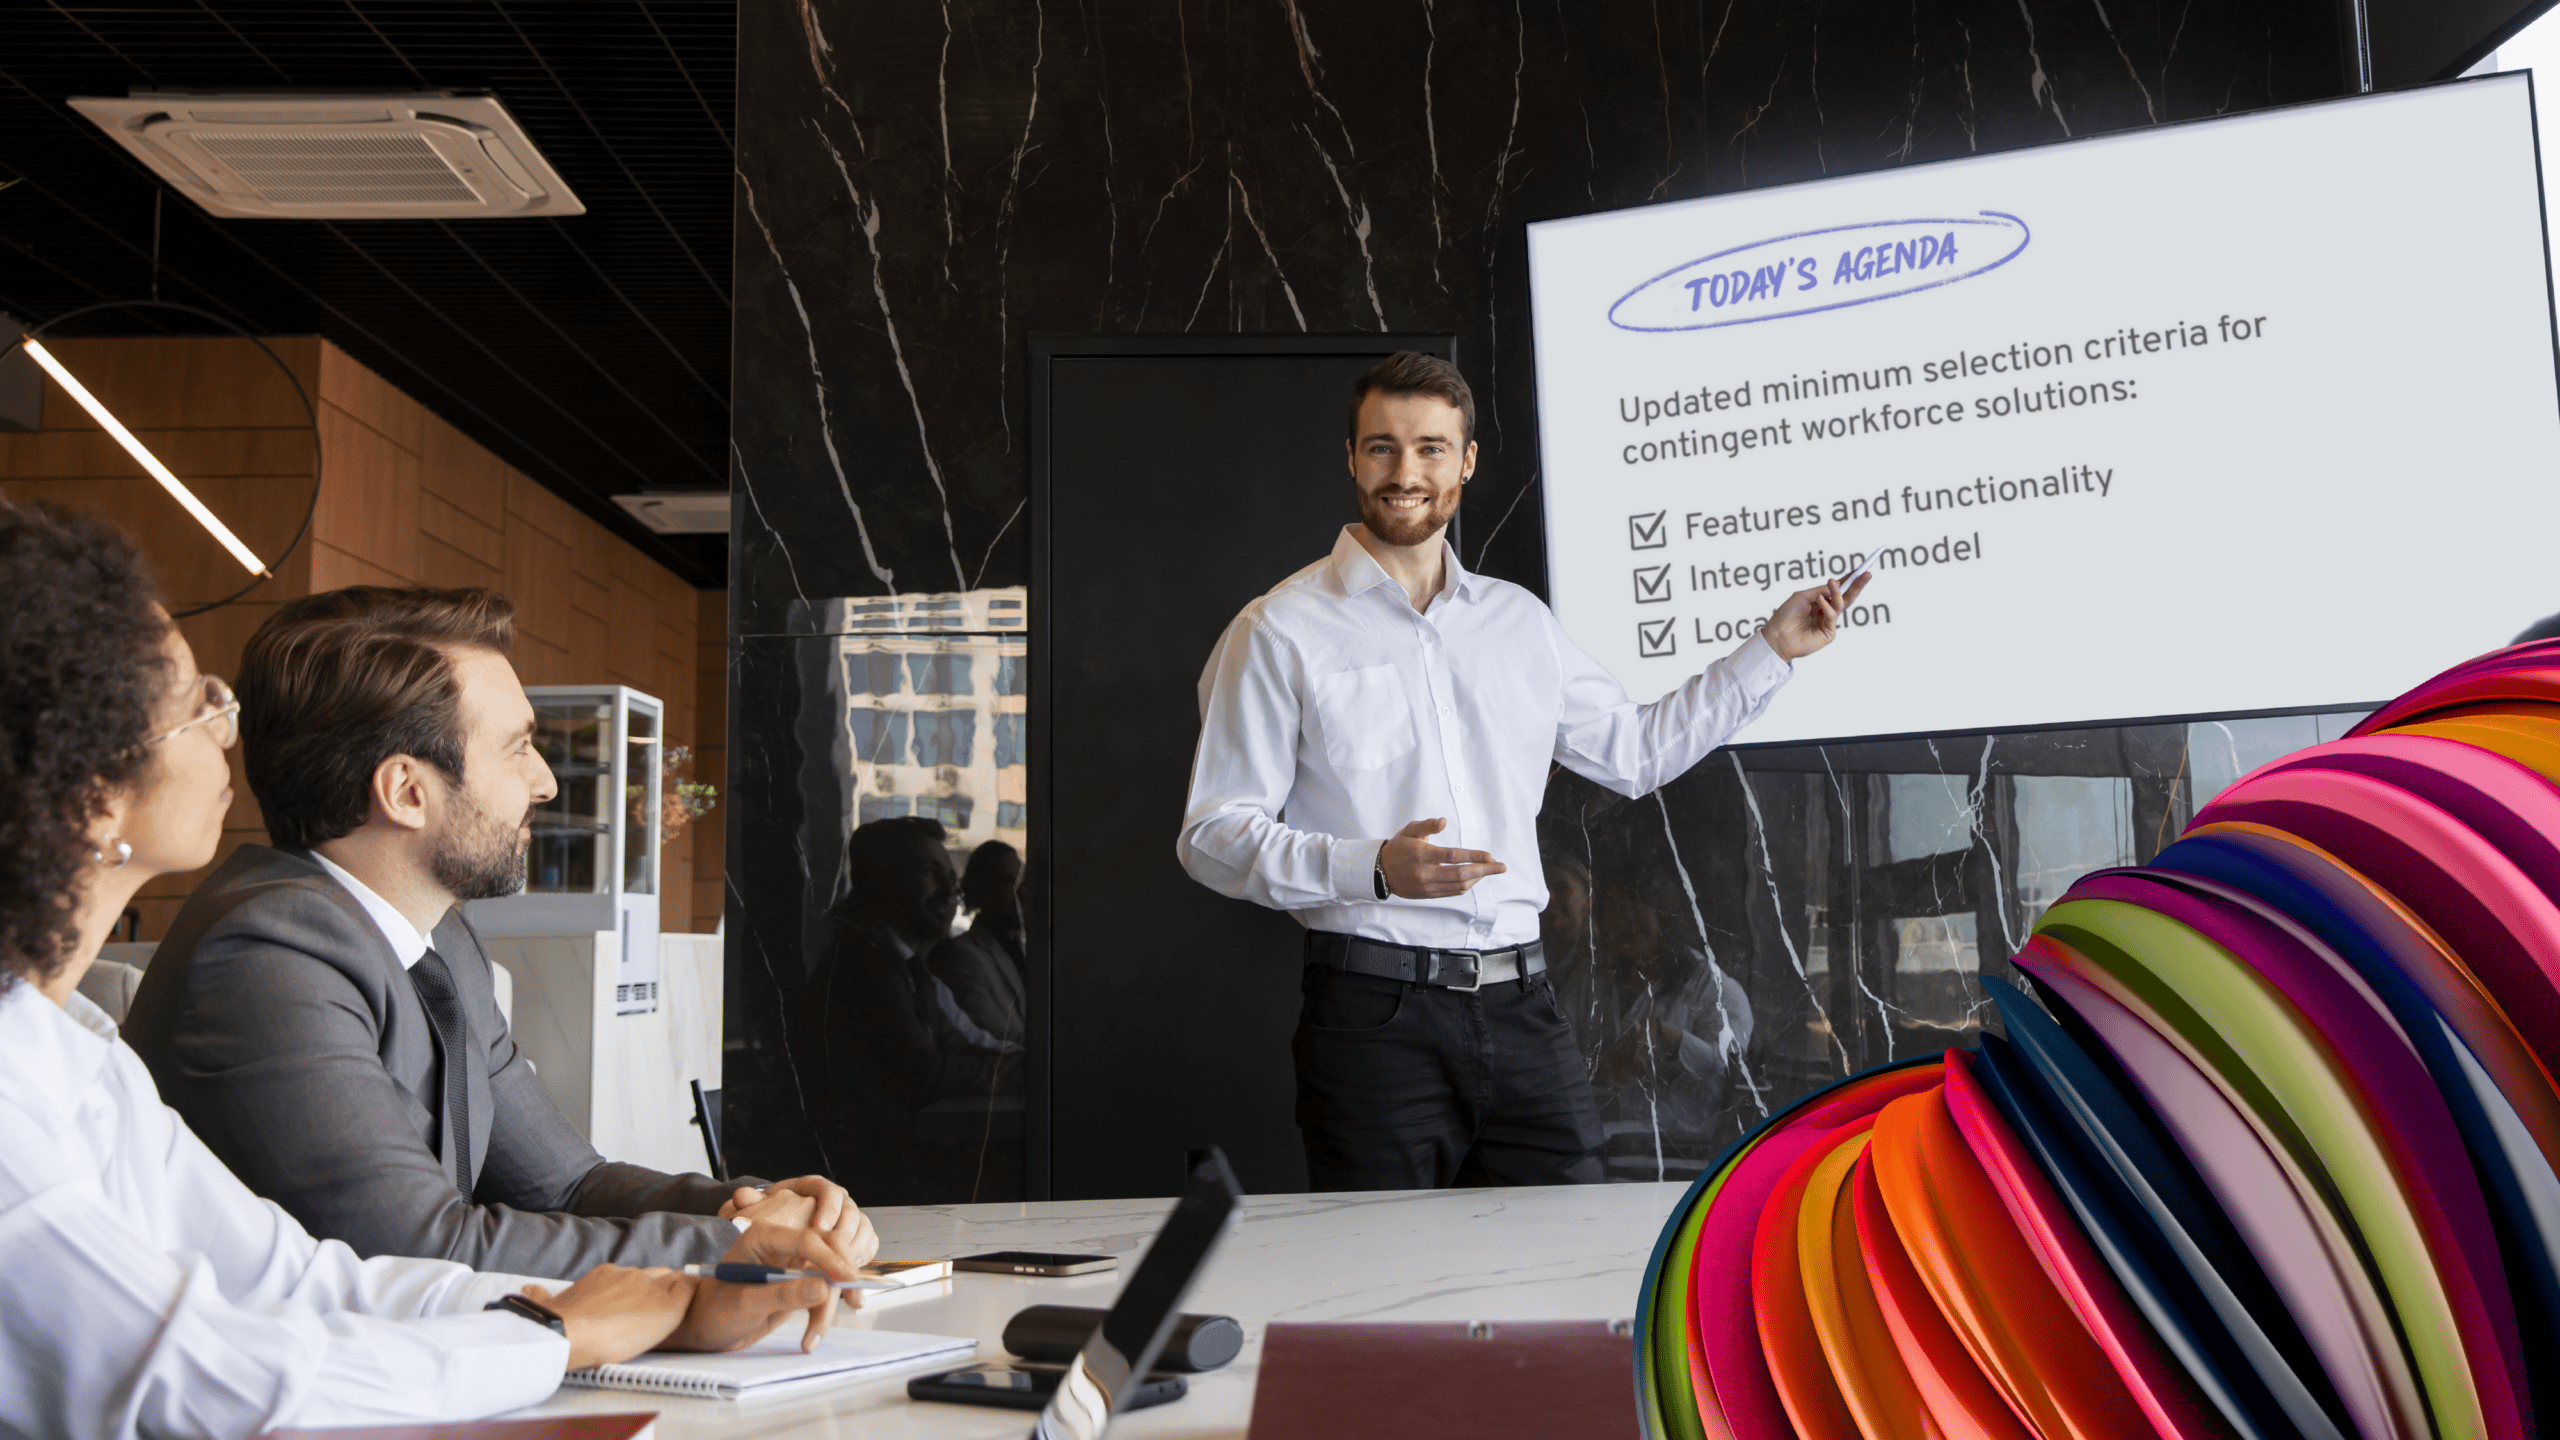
column 770, row 1363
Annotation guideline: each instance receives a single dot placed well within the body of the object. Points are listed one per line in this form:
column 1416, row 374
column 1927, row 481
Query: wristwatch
column 528, row 1308
column 1378, row 879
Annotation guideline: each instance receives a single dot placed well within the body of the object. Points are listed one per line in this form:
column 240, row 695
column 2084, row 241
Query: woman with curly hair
column 143, row 1289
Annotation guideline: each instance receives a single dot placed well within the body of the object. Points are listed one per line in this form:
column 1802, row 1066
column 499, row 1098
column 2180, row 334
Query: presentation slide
column 2241, row 415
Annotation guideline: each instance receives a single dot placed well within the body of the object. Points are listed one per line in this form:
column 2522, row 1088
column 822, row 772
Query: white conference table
column 1567, row 1252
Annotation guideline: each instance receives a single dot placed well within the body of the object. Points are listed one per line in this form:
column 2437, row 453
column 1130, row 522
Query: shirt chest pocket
column 1363, row 717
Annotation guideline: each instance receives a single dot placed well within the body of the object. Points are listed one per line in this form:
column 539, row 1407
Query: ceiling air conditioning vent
column 680, row 512
column 436, row 155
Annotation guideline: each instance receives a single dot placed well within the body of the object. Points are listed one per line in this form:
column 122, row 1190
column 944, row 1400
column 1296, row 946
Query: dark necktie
column 453, row 1044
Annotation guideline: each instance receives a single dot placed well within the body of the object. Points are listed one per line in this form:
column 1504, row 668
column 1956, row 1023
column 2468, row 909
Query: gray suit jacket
column 278, row 1022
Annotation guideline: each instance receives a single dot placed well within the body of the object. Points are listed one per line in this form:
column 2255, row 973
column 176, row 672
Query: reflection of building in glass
column 912, row 708
column 933, row 720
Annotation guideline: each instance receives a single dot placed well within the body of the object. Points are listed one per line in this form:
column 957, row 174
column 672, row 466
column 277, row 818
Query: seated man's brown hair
column 334, row 684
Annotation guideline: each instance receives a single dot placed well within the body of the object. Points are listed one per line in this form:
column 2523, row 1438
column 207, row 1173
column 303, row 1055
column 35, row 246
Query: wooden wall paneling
column 479, row 538
column 372, row 400
column 591, row 554
column 456, row 469
column 186, row 383
column 633, row 636
column 445, row 567
column 257, row 481
column 589, row 595
column 188, row 565
column 333, row 568
column 540, row 508
column 407, row 499
column 537, row 579
column 672, row 676
column 539, row 662
column 369, row 500
column 93, row 454
column 589, row 645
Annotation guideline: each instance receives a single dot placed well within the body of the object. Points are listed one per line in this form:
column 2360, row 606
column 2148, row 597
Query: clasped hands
column 615, row 1312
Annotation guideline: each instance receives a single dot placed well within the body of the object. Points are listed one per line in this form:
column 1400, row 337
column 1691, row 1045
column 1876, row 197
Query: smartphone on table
column 1035, row 1262
column 1028, row 1384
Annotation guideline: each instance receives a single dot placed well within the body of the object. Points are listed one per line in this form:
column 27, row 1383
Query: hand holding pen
column 742, row 1273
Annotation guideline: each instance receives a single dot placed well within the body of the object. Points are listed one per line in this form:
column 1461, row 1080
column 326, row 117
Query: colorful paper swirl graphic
column 2274, row 1150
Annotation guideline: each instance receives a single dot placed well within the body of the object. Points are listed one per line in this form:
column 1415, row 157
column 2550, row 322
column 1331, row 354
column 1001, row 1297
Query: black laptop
column 1125, row 1346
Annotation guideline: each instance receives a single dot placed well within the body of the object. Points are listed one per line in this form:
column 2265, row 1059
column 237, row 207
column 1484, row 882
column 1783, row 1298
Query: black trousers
column 1412, row 1087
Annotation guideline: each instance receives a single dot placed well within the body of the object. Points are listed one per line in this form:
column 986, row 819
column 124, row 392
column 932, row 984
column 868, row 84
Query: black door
column 1173, row 479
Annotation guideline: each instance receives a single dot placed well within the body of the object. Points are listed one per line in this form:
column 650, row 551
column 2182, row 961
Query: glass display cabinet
column 593, row 861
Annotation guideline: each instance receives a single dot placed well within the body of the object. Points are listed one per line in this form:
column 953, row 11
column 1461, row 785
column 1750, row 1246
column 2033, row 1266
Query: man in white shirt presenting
column 1375, row 740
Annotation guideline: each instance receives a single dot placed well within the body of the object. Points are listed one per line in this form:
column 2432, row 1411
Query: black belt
column 1416, row 965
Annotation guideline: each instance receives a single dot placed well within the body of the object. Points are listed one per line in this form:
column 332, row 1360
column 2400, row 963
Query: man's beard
column 1408, row 527
column 479, row 857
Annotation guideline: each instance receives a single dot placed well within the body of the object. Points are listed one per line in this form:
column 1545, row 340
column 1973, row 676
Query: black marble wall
column 922, row 186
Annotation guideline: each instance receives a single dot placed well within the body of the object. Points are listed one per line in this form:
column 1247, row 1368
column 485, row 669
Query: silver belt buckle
column 1475, row 984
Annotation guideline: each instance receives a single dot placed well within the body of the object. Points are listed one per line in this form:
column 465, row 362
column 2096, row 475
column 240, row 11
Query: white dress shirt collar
column 1354, row 569
column 403, row 937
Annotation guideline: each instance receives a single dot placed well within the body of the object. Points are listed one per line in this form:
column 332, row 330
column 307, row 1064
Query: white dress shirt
column 403, row 937
column 1332, row 715
column 145, row 1291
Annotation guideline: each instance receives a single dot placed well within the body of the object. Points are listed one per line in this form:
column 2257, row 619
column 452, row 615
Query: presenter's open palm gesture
column 1810, row 619
column 1416, row 869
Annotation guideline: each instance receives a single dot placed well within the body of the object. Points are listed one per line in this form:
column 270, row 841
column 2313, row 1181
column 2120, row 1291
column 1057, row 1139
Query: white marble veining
column 1548, row 1253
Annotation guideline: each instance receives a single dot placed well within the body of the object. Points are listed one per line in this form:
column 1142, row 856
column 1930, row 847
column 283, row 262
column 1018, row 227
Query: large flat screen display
column 2246, row 414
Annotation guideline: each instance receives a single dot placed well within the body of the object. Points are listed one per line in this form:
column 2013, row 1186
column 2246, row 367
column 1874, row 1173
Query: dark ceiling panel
column 2415, row 41
column 591, row 351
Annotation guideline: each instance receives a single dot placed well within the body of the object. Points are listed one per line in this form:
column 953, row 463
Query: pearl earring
column 124, row 853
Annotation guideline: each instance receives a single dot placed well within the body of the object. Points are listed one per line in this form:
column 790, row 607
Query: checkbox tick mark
column 1648, row 532
column 1654, row 639
column 1653, row 583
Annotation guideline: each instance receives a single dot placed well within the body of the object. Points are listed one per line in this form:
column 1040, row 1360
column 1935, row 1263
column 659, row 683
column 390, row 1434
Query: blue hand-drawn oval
column 1811, row 271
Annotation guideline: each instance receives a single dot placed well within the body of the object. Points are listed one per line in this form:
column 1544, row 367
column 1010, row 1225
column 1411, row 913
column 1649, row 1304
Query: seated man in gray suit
column 323, row 1015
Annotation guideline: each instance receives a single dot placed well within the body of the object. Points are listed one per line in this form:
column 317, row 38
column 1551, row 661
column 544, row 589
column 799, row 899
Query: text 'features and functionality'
column 2073, row 399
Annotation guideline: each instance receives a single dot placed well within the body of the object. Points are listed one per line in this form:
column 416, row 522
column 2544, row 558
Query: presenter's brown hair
column 1410, row 372
column 334, row 684
column 81, row 669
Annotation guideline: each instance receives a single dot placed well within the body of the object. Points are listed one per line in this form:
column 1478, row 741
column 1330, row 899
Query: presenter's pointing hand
column 1419, row 870
column 1810, row 619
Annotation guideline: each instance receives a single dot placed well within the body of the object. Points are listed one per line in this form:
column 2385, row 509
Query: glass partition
column 572, row 835
column 641, row 784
